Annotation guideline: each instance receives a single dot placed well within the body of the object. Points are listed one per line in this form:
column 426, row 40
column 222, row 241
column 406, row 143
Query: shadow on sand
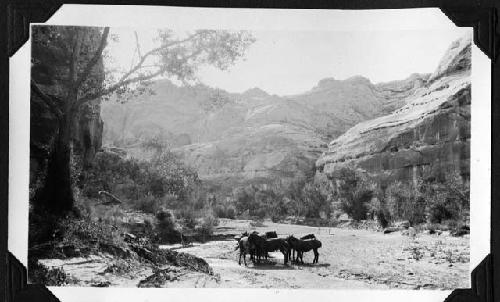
column 311, row 265
column 271, row 266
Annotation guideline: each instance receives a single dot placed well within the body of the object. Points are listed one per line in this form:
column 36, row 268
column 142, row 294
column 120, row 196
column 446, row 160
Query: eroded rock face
column 429, row 134
column 255, row 136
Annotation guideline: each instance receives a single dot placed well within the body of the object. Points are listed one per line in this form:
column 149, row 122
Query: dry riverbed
column 349, row 259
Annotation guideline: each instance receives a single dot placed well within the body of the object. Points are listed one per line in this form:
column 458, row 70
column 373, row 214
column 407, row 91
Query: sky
column 286, row 62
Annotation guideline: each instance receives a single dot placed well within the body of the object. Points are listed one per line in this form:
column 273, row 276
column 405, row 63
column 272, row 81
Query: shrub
column 378, row 207
column 315, row 201
column 82, row 232
column 405, row 202
column 207, row 226
column 230, row 213
column 275, row 218
column 355, row 193
column 149, row 204
column 166, row 227
column 147, row 186
column 443, row 210
column 260, row 213
column 225, row 212
column 356, row 206
column 188, row 218
column 40, row 274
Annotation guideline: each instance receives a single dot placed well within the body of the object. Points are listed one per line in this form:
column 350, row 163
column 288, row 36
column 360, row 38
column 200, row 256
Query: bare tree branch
column 46, row 99
column 113, row 88
column 95, row 58
column 124, row 80
column 152, row 52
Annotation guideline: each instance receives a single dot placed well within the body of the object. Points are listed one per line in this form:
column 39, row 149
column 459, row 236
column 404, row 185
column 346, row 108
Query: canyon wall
column 428, row 136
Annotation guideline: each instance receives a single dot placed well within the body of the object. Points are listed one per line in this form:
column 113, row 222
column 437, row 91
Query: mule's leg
column 245, row 258
column 316, row 255
column 284, row 252
column 239, row 259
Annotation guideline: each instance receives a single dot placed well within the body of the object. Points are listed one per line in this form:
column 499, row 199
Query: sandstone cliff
column 255, row 136
column 429, row 134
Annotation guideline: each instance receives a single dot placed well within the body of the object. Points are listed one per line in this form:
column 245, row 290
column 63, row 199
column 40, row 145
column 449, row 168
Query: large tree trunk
column 57, row 192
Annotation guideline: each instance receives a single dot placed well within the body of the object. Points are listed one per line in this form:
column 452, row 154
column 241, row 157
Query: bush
column 230, row 213
column 82, row 232
column 166, row 228
column 441, row 211
column 260, row 213
column 188, row 218
column 148, row 204
column 355, row 193
column 404, row 202
column 448, row 199
column 147, row 186
column 275, row 218
column 208, row 224
column 315, row 201
column 356, row 206
column 378, row 207
column 40, row 274
column 225, row 212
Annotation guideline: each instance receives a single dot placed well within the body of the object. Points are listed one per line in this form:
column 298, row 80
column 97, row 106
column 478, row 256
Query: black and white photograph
column 227, row 158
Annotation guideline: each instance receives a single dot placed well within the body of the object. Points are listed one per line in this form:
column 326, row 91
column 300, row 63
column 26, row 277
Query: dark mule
column 291, row 252
column 263, row 246
column 245, row 248
column 271, row 234
column 302, row 246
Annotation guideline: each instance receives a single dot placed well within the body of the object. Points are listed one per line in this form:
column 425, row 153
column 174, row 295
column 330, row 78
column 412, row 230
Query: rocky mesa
column 429, row 135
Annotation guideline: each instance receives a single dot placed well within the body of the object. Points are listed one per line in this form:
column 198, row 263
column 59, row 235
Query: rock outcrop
column 254, row 136
column 429, row 134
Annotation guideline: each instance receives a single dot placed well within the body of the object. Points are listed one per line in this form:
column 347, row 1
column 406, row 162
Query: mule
column 291, row 252
column 245, row 248
column 263, row 246
column 302, row 246
column 271, row 234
